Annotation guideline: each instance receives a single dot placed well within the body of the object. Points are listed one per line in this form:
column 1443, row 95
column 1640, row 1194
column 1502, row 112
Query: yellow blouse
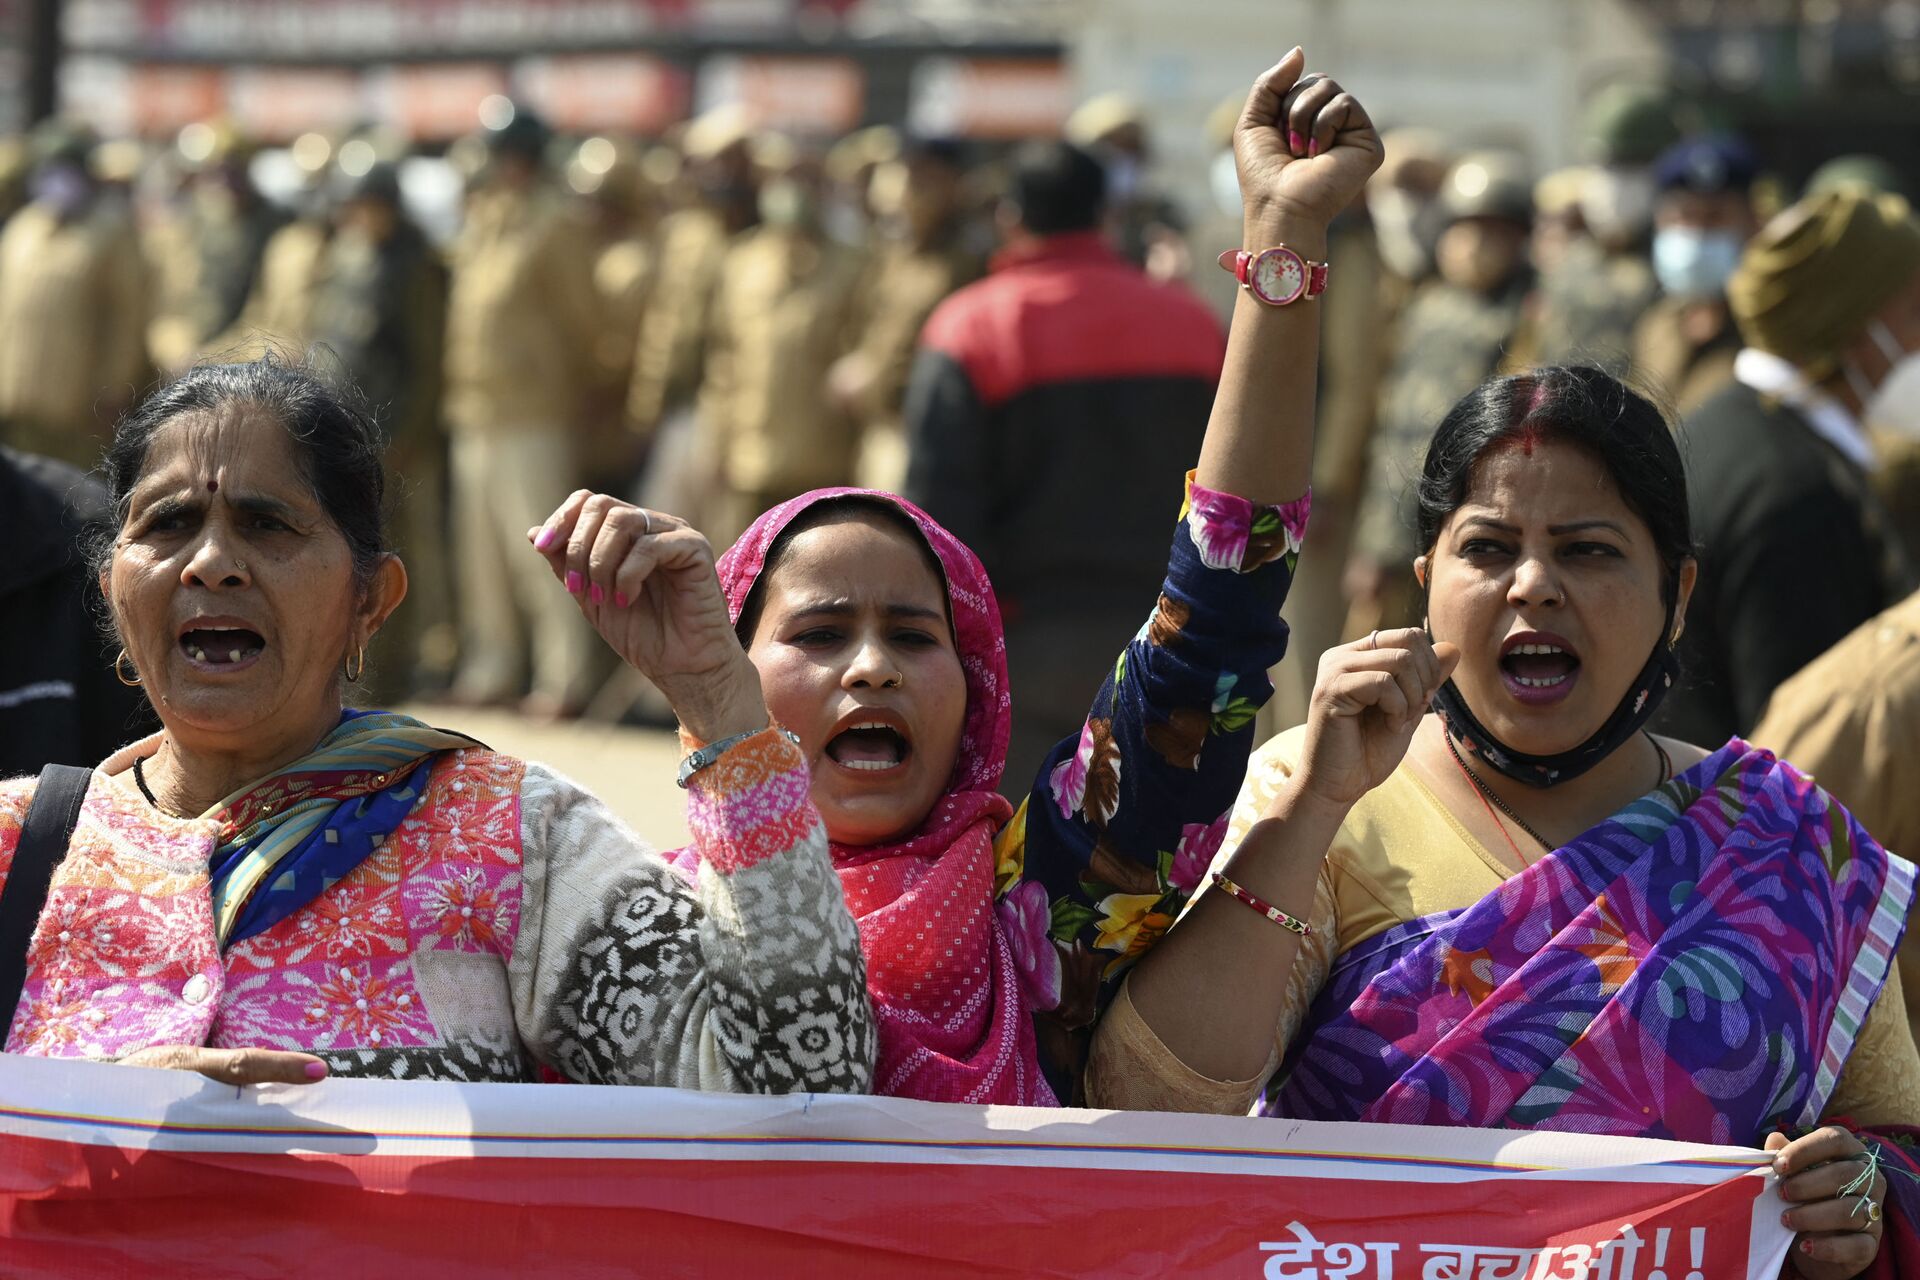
column 1401, row 855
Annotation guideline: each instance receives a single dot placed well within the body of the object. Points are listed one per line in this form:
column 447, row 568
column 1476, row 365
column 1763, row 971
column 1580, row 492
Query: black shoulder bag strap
column 43, row 842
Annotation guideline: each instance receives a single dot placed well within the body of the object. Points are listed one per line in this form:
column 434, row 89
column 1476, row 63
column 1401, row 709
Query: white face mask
column 1894, row 405
column 1691, row 263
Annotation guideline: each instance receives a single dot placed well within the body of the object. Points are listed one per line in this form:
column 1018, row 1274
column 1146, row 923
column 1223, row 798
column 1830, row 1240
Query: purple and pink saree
column 1696, row 967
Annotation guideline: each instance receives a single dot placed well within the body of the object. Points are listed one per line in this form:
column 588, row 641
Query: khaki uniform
column 669, row 362
column 1586, row 309
column 902, row 285
column 1676, row 364
column 1851, row 719
column 73, row 308
column 522, row 318
column 278, row 314
column 624, row 271
column 380, row 310
column 206, row 266
column 668, row 359
column 782, row 316
column 1449, row 341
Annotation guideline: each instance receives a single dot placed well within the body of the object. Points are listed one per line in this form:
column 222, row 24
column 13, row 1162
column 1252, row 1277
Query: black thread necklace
column 1666, row 771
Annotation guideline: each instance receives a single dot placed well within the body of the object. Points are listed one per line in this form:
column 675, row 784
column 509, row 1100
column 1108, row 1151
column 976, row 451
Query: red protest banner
column 103, row 1169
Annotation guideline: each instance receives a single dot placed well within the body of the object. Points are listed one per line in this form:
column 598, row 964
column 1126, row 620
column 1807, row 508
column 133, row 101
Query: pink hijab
column 945, row 987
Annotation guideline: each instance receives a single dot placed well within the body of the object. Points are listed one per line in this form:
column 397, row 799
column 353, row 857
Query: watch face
column 1279, row 276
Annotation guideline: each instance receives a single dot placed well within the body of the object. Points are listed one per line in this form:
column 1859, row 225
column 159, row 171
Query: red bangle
column 1290, row 923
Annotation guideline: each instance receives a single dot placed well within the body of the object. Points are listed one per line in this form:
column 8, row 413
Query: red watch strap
column 1316, row 279
column 1239, row 262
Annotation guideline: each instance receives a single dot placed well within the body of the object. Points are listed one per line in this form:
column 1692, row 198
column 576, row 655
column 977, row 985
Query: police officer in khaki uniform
column 922, row 256
column 379, row 308
column 782, row 315
column 1590, row 300
column 669, row 362
column 521, row 321
column 1452, row 336
column 1685, row 344
column 208, row 255
column 73, row 307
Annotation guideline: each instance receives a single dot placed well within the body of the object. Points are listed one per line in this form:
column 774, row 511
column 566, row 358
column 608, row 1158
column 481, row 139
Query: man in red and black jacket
column 1054, row 409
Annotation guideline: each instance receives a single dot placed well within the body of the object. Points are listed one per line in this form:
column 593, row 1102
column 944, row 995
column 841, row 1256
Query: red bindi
column 213, row 486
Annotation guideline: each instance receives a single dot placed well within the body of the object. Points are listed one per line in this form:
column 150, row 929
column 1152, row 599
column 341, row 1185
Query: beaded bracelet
column 1265, row 908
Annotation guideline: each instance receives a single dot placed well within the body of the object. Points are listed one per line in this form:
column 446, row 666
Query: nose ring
column 240, row 565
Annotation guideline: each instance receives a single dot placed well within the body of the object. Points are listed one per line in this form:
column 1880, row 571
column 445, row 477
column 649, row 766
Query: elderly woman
column 878, row 643
column 273, row 888
column 1522, row 909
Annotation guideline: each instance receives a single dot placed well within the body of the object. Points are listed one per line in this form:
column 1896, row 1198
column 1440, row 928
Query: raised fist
column 1304, row 146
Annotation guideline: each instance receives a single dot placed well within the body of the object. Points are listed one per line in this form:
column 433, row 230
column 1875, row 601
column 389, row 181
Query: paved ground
column 631, row 769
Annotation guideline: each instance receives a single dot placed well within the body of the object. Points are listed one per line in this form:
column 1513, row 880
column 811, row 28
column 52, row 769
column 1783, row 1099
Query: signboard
column 434, row 100
column 584, row 93
column 990, row 97
column 104, row 1167
column 280, row 103
column 799, row 94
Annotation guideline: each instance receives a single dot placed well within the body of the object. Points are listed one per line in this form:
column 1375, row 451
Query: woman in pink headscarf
column 842, row 678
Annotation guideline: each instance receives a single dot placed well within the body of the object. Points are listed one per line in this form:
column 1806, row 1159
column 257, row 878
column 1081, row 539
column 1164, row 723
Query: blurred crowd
column 724, row 318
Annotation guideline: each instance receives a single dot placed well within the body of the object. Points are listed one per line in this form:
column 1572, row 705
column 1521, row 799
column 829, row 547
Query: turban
column 1814, row 276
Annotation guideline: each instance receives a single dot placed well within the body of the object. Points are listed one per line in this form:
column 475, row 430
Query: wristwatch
column 1278, row 276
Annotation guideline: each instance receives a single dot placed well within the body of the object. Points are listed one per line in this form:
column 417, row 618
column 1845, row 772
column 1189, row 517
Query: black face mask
column 1643, row 698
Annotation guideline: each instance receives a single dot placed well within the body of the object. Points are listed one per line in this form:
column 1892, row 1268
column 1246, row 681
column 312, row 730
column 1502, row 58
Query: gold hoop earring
column 120, row 667
column 357, row 665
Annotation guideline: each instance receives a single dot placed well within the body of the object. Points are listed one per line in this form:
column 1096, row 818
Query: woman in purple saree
column 1523, row 909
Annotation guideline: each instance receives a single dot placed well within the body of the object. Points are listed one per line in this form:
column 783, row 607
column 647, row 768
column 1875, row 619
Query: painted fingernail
column 1313, row 147
column 545, row 539
column 599, row 593
column 620, row 598
column 575, row 582
column 1806, row 1246
column 1295, row 142
column 316, row 1071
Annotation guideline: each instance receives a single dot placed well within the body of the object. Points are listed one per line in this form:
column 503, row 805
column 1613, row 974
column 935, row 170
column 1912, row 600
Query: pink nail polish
column 574, row 582
column 316, row 1071
column 599, row 593
column 620, row 598
column 1295, row 142
column 544, row 541
column 1313, row 147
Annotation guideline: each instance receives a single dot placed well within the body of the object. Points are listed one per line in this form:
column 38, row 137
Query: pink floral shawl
column 946, row 991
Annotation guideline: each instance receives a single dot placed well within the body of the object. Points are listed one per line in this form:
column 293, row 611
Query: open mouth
column 1537, row 667
column 870, row 746
column 221, row 647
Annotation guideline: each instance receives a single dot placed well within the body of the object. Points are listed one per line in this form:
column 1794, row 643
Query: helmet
column 1629, row 124
column 1487, row 184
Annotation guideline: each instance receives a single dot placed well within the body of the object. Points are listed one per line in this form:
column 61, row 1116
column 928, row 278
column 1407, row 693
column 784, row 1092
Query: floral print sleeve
column 1123, row 821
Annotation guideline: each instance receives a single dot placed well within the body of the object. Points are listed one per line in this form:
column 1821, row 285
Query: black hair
column 818, row 514
column 336, row 440
column 1057, row 187
column 1578, row 405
